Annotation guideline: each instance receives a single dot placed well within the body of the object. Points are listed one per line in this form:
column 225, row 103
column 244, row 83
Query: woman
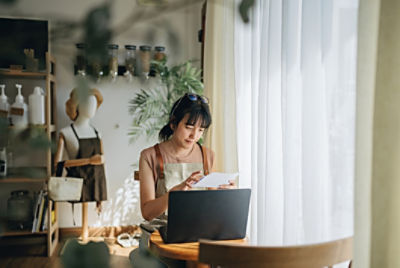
column 176, row 163
column 179, row 160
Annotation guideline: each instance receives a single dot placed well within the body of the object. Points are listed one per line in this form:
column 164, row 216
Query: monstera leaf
column 150, row 108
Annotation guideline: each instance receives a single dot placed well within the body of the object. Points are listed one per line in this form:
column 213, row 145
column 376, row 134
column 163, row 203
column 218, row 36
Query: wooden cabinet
column 24, row 177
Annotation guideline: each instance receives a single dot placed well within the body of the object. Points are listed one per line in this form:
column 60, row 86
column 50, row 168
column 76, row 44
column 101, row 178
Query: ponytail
column 165, row 132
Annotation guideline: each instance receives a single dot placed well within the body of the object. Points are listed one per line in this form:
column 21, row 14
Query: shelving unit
column 23, row 175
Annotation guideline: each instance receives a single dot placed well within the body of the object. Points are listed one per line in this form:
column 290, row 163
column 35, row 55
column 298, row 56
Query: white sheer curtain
column 219, row 83
column 295, row 68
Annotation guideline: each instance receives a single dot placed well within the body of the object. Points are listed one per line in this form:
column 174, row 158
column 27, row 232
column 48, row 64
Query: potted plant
column 150, row 108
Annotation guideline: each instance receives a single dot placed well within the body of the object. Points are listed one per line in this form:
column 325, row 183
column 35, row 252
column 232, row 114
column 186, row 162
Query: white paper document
column 215, row 179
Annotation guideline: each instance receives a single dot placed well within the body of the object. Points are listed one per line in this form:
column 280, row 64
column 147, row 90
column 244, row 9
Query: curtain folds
column 293, row 71
column 377, row 181
column 219, row 83
column 295, row 88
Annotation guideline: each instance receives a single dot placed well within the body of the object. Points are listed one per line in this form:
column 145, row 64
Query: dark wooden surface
column 17, row 259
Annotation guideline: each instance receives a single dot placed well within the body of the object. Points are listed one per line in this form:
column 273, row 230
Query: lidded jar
column 113, row 60
column 130, row 59
column 159, row 53
column 145, row 57
column 81, row 61
column 159, row 56
column 19, row 210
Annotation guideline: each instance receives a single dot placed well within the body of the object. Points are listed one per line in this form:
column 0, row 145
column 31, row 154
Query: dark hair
column 197, row 110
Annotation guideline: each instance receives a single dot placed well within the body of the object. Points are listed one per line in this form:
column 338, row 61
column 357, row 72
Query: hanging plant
column 150, row 108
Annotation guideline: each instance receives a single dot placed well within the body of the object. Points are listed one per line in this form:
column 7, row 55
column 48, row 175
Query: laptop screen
column 209, row 214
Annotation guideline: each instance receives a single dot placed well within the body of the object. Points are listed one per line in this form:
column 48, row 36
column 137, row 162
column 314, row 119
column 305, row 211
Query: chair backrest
column 241, row 255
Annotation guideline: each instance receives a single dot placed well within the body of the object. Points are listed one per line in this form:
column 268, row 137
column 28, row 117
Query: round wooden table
column 180, row 251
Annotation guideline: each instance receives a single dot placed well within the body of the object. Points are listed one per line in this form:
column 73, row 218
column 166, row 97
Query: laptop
column 209, row 214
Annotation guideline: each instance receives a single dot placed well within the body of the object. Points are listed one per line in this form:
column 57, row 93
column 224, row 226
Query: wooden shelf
column 22, row 74
column 37, row 174
column 52, row 127
column 22, row 233
column 21, row 180
column 25, row 173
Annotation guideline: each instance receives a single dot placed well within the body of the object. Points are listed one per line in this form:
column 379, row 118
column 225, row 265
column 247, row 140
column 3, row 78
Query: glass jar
column 113, row 60
column 130, row 59
column 19, row 210
column 159, row 54
column 81, row 59
column 97, row 68
column 145, row 58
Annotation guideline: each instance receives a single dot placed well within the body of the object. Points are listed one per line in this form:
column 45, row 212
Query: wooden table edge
column 180, row 251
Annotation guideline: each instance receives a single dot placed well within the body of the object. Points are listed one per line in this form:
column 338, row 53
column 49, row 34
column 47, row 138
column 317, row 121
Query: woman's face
column 187, row 135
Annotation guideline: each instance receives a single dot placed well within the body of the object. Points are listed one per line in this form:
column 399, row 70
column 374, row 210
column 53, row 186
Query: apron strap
column 95, row 131
column 73, row 129
column 205, row 162
column 160, row 160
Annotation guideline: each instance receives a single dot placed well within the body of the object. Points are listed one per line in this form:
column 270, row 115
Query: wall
column 176, row 30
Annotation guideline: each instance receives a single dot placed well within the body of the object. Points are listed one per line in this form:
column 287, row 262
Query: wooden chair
column 305, row 256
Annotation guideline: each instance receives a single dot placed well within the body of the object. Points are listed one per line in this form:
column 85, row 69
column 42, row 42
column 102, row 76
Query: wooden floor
column 119, row 258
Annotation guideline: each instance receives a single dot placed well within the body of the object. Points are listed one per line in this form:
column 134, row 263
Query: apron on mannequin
column 94, row 180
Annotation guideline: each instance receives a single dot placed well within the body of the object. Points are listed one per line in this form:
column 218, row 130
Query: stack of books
column 40, row 210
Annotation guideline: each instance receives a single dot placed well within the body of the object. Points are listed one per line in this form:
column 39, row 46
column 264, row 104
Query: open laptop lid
column 210, row 214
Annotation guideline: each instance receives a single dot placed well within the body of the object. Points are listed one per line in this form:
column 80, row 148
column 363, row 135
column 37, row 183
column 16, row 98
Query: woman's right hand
column 187, row 184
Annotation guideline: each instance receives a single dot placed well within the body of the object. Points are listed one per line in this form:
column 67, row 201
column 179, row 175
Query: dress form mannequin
column 68, row 147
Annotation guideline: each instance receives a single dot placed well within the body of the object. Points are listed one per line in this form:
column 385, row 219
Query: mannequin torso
column 82, row 127
column 85, row 162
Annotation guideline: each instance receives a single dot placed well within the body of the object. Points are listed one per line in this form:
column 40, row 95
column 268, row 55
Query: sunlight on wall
column 124, row 208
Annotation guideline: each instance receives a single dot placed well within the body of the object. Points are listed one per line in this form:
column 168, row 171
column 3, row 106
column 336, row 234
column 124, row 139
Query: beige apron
column 172, row 174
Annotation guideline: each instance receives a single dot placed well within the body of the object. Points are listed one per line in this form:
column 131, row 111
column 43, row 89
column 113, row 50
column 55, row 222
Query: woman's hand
column 187, row 184
column 231, row 185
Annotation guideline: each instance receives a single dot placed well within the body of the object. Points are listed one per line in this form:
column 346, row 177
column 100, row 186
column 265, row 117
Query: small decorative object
column 31, row 63
column 81, row 59
column 113, row 60
column 145, row 58
column 130, row 60
column 16, row 68
column 19, row 210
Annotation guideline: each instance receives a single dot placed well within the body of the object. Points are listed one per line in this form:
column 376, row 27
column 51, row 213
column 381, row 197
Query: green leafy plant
column 150, row 108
